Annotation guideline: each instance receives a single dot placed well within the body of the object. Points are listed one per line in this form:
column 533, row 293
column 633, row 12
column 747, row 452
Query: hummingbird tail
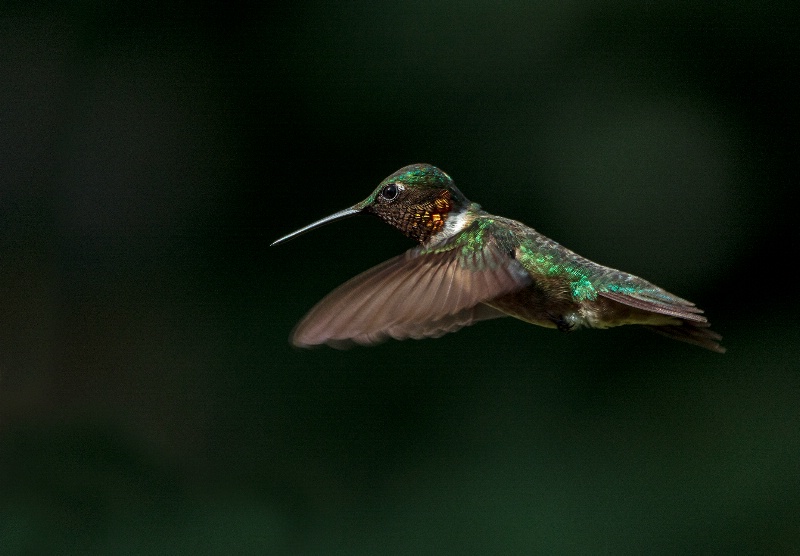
column 689, row 324
column 697, row 333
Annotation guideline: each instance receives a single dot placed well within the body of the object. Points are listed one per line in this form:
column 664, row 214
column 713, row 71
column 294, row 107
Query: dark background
column 149, row 399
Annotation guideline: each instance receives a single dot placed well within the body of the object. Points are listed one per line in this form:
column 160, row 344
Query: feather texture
column 421, row 293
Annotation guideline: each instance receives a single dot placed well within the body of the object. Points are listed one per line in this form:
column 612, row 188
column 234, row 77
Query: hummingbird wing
column 418, row 331
column 425, row 292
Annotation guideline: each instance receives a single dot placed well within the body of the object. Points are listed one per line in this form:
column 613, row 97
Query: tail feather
column 673, row 307
column 697, row 333
column 689, row 324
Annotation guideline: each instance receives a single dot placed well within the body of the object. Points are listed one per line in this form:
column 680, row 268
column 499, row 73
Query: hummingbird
column 470, row 266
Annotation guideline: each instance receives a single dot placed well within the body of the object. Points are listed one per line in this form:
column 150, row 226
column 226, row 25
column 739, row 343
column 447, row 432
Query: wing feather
column 422, row 293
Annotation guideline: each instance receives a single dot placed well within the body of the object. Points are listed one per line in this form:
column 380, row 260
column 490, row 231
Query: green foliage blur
column 149, row 400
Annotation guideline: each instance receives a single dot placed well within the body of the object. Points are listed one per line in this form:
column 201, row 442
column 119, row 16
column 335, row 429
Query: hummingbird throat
column 422, row 221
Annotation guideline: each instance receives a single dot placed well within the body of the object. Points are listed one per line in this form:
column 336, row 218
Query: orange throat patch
column 429, row 219
column 436, row 217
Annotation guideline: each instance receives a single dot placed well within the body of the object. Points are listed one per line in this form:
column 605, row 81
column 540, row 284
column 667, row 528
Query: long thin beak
column 327, row 220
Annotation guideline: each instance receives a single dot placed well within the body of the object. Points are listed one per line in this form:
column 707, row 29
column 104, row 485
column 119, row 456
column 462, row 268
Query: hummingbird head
column 416, row 199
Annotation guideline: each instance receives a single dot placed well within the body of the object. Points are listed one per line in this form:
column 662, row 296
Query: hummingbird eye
column 390, row 192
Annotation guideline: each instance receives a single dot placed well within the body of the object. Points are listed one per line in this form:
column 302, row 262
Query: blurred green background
column 149, row 400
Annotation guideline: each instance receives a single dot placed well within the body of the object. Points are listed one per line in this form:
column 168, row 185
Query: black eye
column 390, row 192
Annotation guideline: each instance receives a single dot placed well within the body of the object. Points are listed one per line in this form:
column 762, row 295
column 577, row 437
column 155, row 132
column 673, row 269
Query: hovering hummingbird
column 471, row 266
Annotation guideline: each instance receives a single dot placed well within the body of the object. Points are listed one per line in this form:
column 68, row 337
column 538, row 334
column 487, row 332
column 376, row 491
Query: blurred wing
column 420, row 294
column 418, row 331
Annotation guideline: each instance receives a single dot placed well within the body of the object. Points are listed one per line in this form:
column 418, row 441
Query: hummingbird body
column 470, row 266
